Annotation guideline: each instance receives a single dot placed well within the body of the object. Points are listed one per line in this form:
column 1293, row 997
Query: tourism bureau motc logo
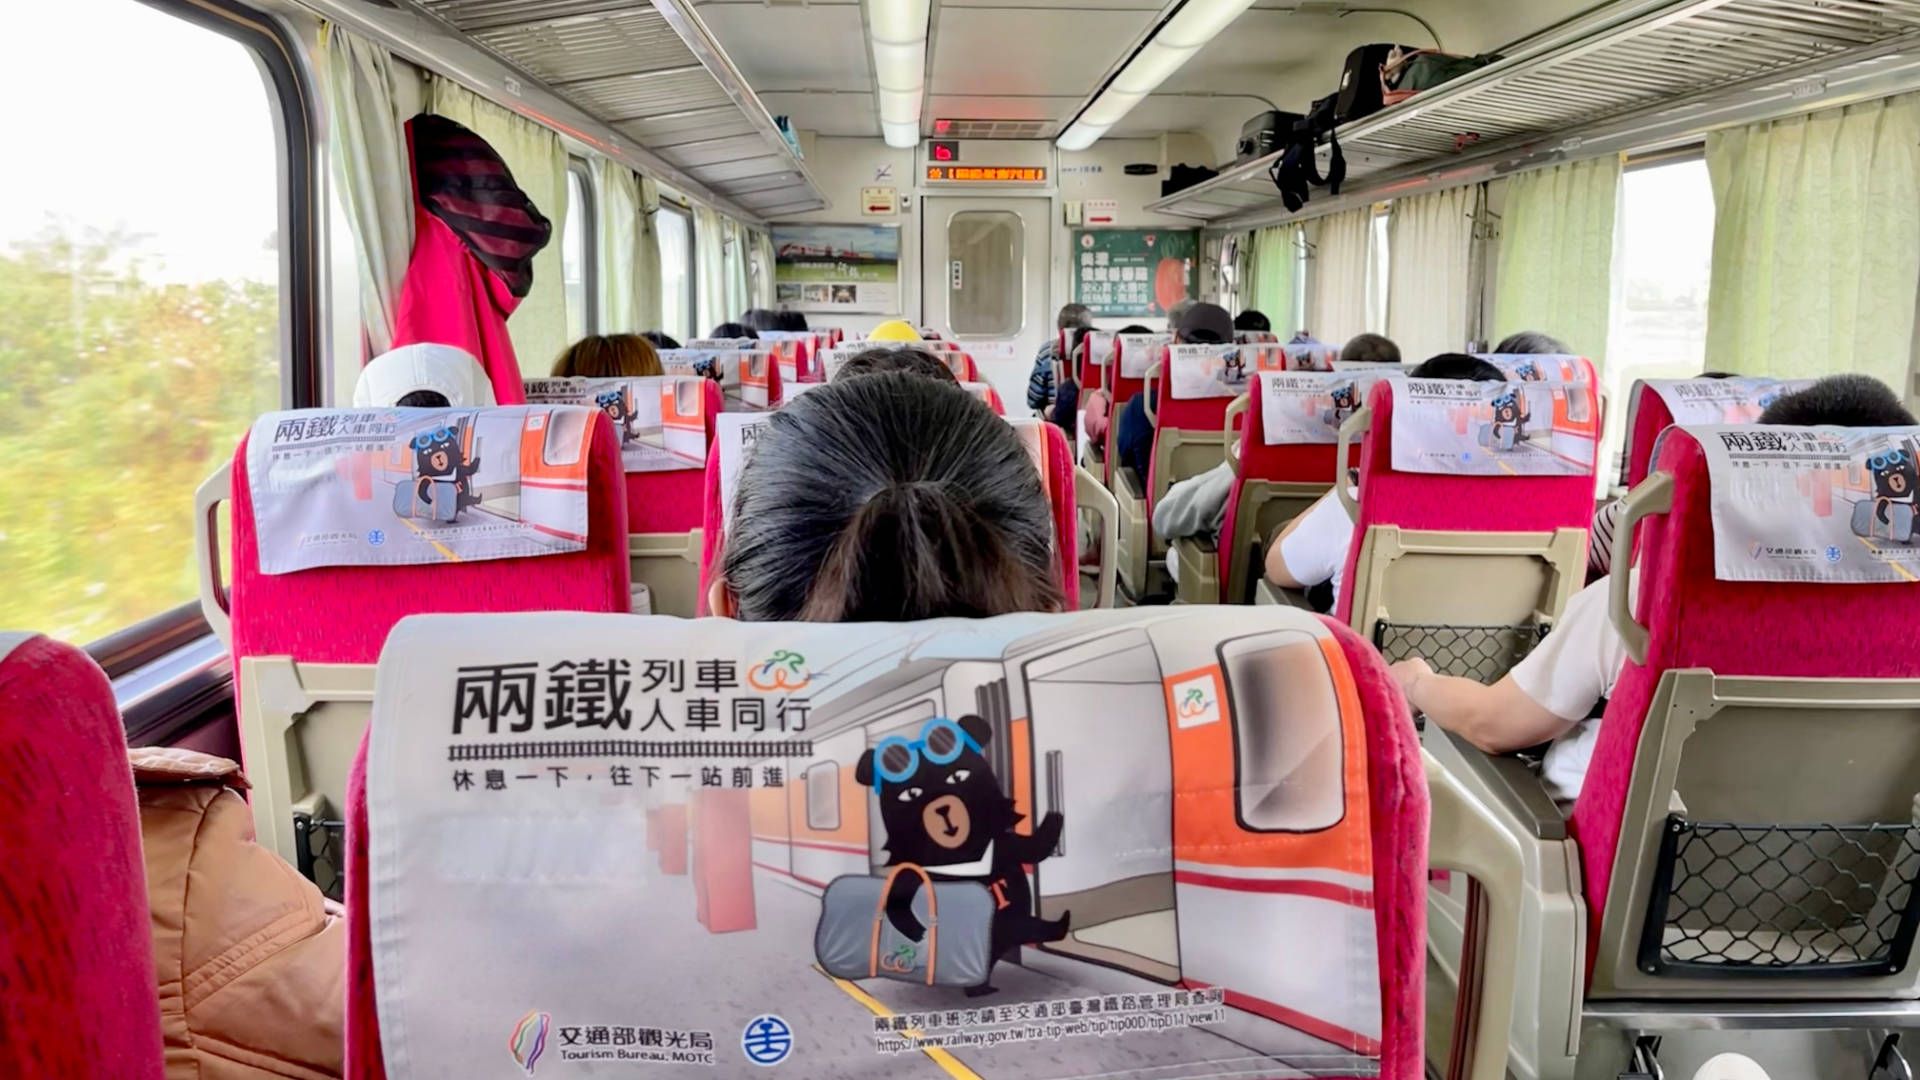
column 529, row 1039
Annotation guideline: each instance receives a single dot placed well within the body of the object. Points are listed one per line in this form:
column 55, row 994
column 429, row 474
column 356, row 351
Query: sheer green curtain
column 1816, row 243
column 647, row 283
column 368, row 142
column 1270, row 282
column 710, row 271
column 739, row 274
column 1429, row 272
column 538, row 162
column 1556, row 254
column 1340, row 275
column 619, row 222
column 763, row 260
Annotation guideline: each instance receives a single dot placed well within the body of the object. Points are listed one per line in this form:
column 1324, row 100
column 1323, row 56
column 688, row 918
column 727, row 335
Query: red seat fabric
column 1121, row 392
column 78, row 995
column 341, row 614
column 670, row 502
column 1398, row 809
column 1647, row 417
column 1812, row 630
column 1448, row 502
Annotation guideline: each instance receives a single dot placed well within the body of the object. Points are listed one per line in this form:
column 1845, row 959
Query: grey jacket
column 1196, row 506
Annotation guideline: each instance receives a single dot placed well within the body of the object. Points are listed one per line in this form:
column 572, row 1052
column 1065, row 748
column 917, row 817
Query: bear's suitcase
column 855, row 940
column 1897, row 527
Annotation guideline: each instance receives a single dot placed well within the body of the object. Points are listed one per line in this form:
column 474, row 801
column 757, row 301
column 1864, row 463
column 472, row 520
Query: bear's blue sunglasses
column 939, row 752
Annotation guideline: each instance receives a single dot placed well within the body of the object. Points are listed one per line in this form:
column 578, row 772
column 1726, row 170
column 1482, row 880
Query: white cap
column 444, row 369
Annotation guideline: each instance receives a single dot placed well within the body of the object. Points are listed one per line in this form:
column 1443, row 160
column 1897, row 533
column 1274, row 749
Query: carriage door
column 1273, row 860
column 984, row 278
column 1100, row 759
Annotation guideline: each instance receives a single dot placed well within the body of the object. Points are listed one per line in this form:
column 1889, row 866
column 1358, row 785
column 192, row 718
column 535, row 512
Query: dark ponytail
column 885, row 498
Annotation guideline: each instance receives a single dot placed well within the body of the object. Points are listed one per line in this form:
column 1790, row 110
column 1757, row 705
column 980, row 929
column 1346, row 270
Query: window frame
column 690, row 312
column 589, row 211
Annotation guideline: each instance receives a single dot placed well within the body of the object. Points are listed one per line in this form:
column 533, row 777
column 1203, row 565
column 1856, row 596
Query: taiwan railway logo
column 784, row 670
column 767, row 1040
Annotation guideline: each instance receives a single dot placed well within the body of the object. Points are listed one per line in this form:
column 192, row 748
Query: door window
column 986, row 273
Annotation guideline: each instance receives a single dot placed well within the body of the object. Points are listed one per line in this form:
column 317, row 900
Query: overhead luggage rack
column 1676, row 58
column 653, row 72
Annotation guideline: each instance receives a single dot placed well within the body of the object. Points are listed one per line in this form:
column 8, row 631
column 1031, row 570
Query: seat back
column 302, row 641
column 749, row 378
column 987, row 395
column 1190, row 434
column 797, row 353
column 1284, row 459
column 1284, row 910
column 1654, row 405
column 665, row 425
column 1047, row 444
column 78, row 995
column 1748, row 827
column 1133, row 355
column 1470, row 531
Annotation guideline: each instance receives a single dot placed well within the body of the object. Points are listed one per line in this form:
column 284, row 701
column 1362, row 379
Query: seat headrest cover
column 734, row 436
column 1813, row 504
column 1715, row 401
column 661, row 419
column 724, row 343
column 1309, row 406
column 840, row 354
column 743, row 374
column 1138, row 352
column 1536, row 367
column 1492, row 428
column 983, row 392
column 386, row 487
column 447, row 370
column 1214, row 371
column 1255, row 337
column 1312, row 357
column 805, row 843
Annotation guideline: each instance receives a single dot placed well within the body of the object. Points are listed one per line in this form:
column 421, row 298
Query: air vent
column 992, row 129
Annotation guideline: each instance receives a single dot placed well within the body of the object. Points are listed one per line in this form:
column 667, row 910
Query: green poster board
column 1135, row 272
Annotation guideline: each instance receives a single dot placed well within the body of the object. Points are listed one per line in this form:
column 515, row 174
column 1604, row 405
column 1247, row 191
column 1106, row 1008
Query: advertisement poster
column 395, row 487
column 1309, row 406
column 661, row 419
column 1827, row 504
column 837, row 269
column 1139, row 273
column 1492, row 429
column 1032, row 845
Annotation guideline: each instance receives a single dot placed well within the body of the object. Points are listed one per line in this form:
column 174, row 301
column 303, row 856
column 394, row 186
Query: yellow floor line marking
column 1875, row 548
column 437, row 545
column 940, row 1057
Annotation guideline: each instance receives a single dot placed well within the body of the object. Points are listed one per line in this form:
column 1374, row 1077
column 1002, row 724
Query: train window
column 676, row 271
column 987, row 289
column 1286, row 734
column 1378, row 265
column 577, row 237
column 141, row 306
column 1661, row 270
column 823, row 796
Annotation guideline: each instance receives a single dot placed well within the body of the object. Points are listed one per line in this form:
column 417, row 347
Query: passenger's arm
column 1279, row 571
column 1498, row 719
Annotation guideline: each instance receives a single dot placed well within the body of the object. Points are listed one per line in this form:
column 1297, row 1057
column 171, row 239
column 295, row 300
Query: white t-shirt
column 1317, row 550
column 1567, row 675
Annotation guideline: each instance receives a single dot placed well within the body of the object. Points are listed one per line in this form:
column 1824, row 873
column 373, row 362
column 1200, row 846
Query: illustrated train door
column 1273, row 874
column 1100, row 758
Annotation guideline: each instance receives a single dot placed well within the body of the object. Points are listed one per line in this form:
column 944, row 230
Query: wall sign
column 879, row 201
column 1134, row 272
column 1101, row 213
column 837, row 268
column 943, row 150
column 986, row 174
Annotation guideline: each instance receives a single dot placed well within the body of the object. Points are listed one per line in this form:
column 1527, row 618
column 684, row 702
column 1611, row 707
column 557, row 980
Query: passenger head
column 1531, row 342
column 1074, row 316
column 1254, row 321
column 734, row 330
column 609, row 356
column 1205, row 324
column 1840, row 401
column 879, row 359
column 760, row 319
column 791, row 322
column 1176, row 312
column 895, row 330
column 886, row 498
column 1135, row 328
column 423, row 376
column 1459, row 366
column 1370, row 349
column 660, row 340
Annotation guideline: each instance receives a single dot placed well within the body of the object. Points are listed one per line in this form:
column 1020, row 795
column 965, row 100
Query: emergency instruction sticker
column 1310, row 406
column 1493, row 428
column 387, row 487
column 1813, row 504
column 1212, row 371
column 744, row 375
column 604, row 846
column 661, row 419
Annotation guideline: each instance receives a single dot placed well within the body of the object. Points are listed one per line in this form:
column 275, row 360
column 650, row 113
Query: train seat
column 303, row 642
column 1654, row 405
column 1747, row 841
column 749, row 378
column 1069, row 488
column 1126, row 375
column 1283, row 459
column 987, row 395
column 1298, row 893
column 1464, row 551
column 78, row 996
column 797, row 352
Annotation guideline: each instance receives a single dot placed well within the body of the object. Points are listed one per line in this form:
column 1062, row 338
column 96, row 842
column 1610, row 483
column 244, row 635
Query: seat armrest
column 1509, row 781
column 1205, row 545
column 1131, row 487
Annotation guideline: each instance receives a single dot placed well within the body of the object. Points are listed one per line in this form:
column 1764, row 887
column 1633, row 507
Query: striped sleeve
column 1600, row 547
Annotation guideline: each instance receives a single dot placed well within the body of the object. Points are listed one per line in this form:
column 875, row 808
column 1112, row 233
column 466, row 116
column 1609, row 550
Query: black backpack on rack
column 1296, row 171
column 1362, row 84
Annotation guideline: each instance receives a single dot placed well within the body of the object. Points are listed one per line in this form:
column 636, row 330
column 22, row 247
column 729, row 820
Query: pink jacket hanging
column 474, row 237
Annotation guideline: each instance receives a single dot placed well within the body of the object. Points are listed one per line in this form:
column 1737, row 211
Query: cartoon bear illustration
column 1509, row 426
column 1233, row 367
column 944, row 811
column 442, row 476
column 619, row 409
column 1896, row 476
column 1346, row 399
